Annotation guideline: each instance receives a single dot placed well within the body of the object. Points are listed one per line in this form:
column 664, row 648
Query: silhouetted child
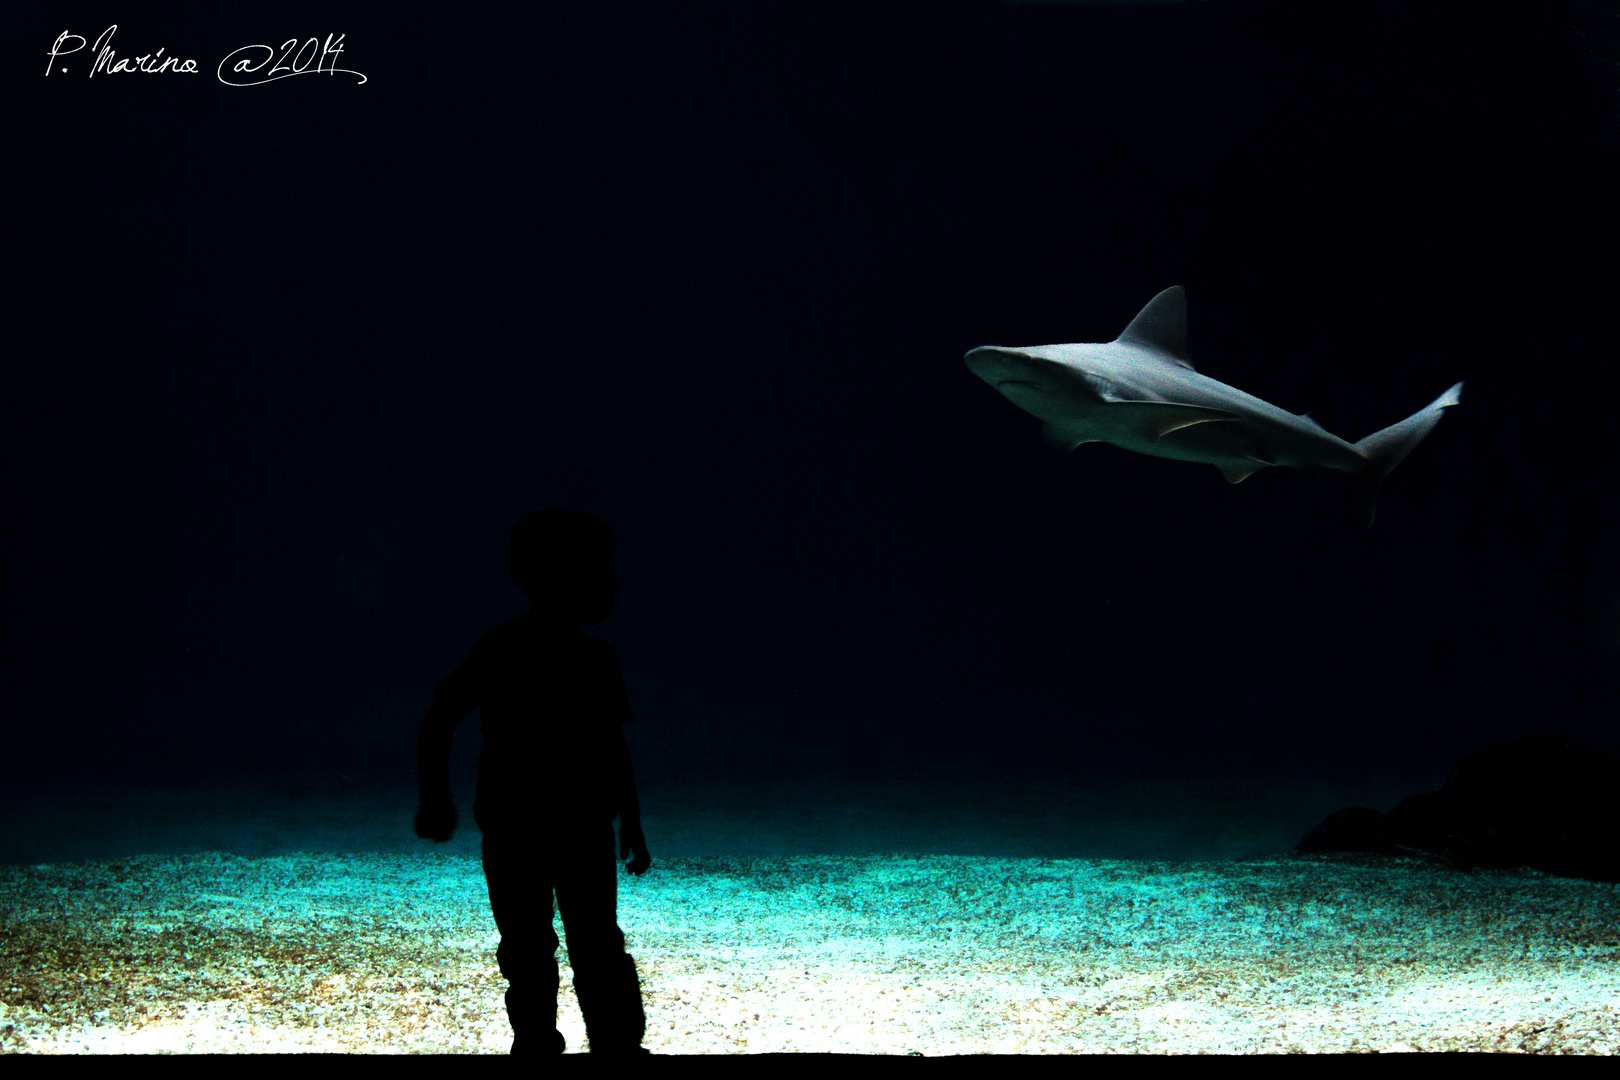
column 554, row 772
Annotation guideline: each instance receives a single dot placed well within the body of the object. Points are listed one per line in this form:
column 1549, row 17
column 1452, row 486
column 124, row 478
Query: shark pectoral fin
column 1061, row 439
column 1156, row 419
column 1177, row 425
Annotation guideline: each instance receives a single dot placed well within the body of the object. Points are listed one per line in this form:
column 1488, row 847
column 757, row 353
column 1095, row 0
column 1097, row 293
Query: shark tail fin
column 1385, row 449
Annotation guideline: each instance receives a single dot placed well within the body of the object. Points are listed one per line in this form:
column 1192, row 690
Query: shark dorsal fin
column 1162, row 326
column 1311, row 420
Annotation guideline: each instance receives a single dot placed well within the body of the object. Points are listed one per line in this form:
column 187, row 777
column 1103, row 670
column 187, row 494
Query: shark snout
column 997, row 364
column 987, row 353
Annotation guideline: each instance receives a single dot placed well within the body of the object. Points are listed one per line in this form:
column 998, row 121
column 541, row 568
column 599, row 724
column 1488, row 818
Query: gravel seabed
column 934, row 955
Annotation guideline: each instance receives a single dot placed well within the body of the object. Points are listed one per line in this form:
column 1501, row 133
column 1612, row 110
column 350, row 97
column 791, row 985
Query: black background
column 285, row 362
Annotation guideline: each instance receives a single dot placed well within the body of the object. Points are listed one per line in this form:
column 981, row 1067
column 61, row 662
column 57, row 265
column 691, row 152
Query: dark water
column 696, row 816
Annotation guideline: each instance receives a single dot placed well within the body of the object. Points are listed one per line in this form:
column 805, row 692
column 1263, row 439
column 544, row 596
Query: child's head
column 563, row 562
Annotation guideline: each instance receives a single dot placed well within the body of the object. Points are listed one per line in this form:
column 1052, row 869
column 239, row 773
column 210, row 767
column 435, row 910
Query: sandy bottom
column 872, row 954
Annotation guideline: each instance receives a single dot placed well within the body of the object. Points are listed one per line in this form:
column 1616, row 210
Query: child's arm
column 631, row 840
column 436, row 816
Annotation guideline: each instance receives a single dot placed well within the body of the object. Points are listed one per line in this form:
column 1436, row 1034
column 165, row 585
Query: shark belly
column 1243, row 445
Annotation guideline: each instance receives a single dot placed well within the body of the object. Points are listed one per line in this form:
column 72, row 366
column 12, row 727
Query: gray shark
column 1140, row 392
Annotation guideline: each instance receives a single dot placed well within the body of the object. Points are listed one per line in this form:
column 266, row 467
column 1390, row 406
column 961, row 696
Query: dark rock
column 1359, row 829
column 1425, row 823
column 1543, row 802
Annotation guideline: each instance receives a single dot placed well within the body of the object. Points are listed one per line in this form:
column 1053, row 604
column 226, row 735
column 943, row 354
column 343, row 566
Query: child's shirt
column 551, row 700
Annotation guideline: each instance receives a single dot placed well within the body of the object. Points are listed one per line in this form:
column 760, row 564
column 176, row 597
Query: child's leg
column 605, row 979
column 520, row 896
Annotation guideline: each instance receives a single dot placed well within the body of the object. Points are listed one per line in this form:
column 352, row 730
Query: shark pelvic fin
column 1059, row 439
column 1162, row 326
column 1238, row 471
column 1236, row 474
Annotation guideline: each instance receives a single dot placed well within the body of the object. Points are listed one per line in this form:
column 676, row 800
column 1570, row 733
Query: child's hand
column 436, row 820
column 632, row 841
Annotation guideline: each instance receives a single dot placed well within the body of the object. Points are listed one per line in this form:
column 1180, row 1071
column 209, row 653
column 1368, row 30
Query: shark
column 1141, row 392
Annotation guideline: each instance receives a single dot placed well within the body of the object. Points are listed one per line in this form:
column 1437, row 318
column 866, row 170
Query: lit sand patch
column 883, row 955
